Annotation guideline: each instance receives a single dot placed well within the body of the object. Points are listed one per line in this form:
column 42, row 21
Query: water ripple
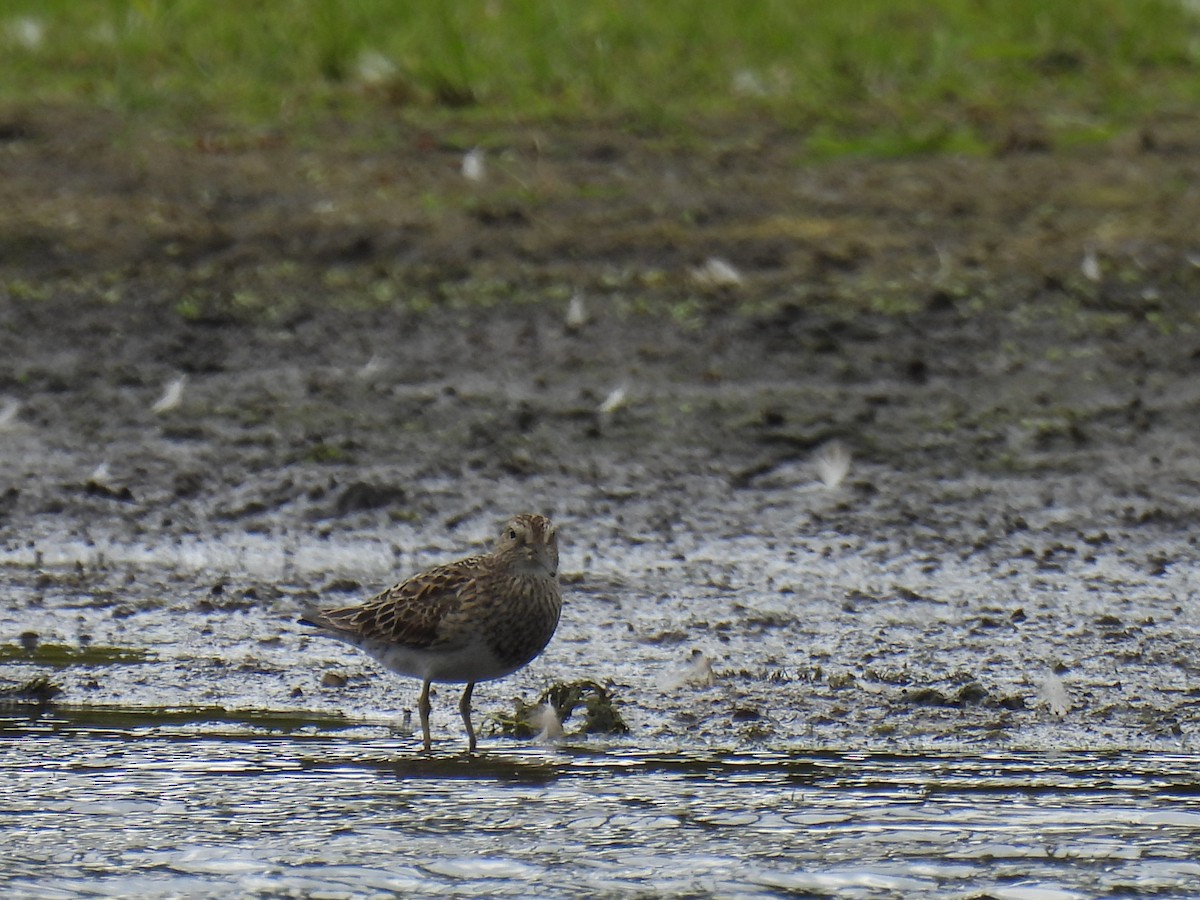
column 210, row 817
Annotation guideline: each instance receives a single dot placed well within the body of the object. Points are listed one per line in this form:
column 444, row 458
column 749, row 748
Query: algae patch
column 34, row 693
column 64, row 655
column 600, row 714
column 213, row 719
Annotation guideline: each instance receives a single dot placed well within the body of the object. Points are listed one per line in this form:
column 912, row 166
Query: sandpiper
column 473, row 620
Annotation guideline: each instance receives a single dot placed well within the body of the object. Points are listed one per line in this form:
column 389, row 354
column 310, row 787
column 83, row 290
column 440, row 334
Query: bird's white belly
column 471, row 663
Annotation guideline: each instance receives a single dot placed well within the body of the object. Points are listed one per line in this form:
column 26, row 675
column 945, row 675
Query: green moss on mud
column 600, row 714
column 65, row 655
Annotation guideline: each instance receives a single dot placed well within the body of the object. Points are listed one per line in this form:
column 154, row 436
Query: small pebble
column 333, row 680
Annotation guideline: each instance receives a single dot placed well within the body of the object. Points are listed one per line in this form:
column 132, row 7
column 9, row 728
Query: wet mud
column 241, row 374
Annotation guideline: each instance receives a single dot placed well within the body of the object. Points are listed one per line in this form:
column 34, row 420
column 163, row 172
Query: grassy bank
column 880, row 77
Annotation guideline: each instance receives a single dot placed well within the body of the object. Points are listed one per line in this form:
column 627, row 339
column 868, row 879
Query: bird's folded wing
column 409, row 613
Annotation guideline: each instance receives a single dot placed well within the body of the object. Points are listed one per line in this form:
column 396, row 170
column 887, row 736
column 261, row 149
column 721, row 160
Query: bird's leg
column 423, row 708
column 464, row 707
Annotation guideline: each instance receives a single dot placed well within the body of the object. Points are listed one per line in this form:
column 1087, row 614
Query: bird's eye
column 512, row 534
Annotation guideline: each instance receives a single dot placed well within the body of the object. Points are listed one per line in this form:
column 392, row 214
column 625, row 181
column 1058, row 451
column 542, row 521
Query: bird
column 476, row 619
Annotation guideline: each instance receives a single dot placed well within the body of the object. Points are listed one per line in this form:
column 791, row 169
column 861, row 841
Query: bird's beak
column 545, row 558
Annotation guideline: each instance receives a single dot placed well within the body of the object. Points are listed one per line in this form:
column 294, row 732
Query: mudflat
column 240, row 371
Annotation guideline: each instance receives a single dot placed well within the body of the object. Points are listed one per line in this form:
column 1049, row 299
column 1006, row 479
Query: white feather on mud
column 615, row 400
column 576, row 312
column 372, row 367
column 171, row 396
column 8, row 414
column 716, row 272
column 549, row 725
column 832, row 462
column 696, row 672
column 1053, row 695
column 474, row 165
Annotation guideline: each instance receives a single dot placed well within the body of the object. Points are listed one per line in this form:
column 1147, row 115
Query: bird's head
column 531, row 541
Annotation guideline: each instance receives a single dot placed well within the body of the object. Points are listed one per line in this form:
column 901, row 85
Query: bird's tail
column 312, row 617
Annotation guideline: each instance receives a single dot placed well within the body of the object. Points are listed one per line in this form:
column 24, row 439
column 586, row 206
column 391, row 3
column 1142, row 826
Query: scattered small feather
column 716, row 272
column 26, row 31
column 832, row 462
column 1090, row 267
column 614, row 401
column 576, row 313
column 373, row 68
column 474, row 165
column 545, row 718
column 171, row 396
column 1053, row 695
column 372, row 367
column 696, row 672
column 8, row 414
column 945, row 264
column 747, row 83
column 100, row 474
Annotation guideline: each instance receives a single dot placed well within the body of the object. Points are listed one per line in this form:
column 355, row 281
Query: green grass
column 875, row 76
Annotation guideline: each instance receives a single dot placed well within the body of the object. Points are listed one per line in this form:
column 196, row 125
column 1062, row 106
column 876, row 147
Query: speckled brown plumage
column 476, row 619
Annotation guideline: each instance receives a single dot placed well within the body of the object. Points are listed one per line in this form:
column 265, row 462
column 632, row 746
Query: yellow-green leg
column 423, row 708
column 464, row 707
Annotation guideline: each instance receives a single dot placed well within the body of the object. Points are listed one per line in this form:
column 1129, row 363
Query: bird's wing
column 407, row 613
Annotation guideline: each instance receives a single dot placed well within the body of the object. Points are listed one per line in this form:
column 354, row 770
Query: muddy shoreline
column 379, row 365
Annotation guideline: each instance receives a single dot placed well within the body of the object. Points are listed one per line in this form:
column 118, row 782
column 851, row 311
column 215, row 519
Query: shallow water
column 184, row 811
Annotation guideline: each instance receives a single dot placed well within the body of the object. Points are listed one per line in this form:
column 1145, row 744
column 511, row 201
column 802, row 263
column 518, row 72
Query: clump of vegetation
column 37, row 691
column 970, row 694
column 600, row 715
